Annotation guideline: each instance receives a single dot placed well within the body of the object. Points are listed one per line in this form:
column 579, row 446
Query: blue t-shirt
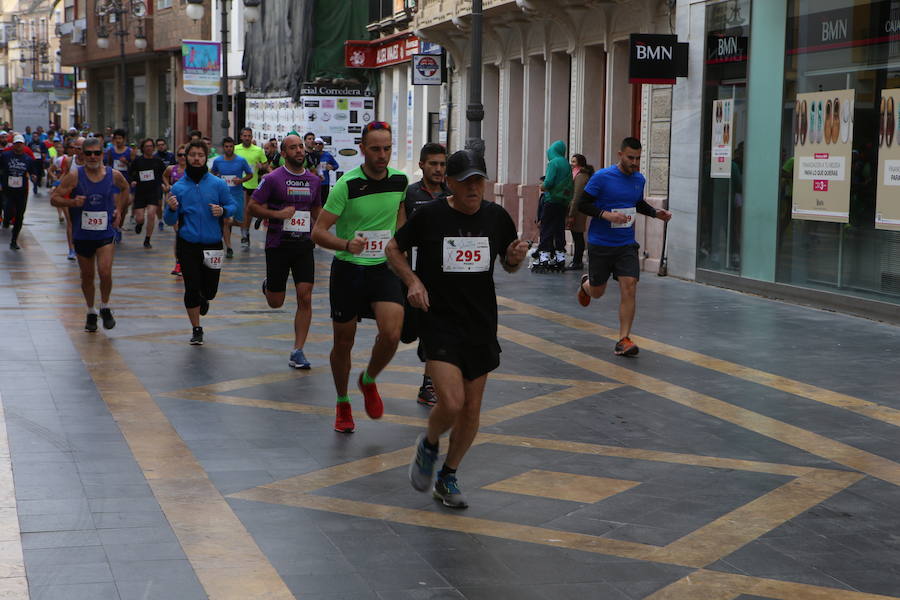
column 614, row 191
column 237, row 167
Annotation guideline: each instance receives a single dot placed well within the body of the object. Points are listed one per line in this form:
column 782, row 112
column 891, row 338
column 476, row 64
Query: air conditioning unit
column 79, row 36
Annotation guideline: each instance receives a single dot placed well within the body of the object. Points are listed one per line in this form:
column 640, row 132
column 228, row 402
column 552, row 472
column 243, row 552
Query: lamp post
column 33, row 37
column 116, row 12
column 475, row 109
column 251, row 15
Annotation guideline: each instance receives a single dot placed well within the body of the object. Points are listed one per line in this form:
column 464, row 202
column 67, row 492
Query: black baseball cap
column 464, row 163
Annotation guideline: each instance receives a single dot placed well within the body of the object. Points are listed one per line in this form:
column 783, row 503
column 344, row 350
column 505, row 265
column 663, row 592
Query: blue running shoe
column 298, row 359
column 446, row 489
column 117, row 236
column 421, row 469
column 71, row 255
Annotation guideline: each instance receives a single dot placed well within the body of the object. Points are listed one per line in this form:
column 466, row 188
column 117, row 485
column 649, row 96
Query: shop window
column 720, row 216
column 840, row 230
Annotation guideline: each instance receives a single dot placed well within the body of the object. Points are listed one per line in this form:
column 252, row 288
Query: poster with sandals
column 887, row 199
column 722, row 135
column 823, row 143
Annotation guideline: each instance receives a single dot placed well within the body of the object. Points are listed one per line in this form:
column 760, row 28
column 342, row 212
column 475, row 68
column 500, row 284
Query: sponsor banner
column 375, row 54
column 722, row 138
column 30, row 109
column 722, row 48
column 823, row 142
column 865, row 24
column 887, row 198
column 202, row 65
column 656, row 58
column 338, row 120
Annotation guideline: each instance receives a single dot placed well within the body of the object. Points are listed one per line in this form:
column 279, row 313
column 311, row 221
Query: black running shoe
column 257, row 223
column 204, row 307
column 147, row 243
column 14, row 246
column 91, row 323
column 108, row 321
column 138, row 227
column 197, row 337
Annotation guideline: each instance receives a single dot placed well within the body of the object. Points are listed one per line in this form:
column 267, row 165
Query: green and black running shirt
column 367, row 207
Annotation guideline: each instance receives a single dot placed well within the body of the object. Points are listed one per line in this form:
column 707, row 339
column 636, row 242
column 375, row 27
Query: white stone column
column 490, row 125
column 556, row 98
column 533, row 148
column 509, row 147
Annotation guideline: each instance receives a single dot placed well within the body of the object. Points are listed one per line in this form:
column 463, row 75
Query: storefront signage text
column 656, row 59
column 380, row 53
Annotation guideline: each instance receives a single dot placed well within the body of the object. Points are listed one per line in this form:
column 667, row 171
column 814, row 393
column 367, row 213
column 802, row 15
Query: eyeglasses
column 180, row 154
column 378, row 125
column 92, row 152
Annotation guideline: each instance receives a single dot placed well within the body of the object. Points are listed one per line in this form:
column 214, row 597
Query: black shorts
column 473, row 361
column 88, row 248
column 354, row 288
column 618, row 261
column 145, row 201
column 294, row 259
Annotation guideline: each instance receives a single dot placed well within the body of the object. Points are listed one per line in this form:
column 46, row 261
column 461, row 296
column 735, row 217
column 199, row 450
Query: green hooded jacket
column 558, row 181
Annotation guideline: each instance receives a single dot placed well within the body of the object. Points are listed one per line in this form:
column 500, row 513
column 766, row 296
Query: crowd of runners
column 418, row 259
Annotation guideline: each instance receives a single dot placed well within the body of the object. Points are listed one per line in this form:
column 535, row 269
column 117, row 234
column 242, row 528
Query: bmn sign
column 656, row 58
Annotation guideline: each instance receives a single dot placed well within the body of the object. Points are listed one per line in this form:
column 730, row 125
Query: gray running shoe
column 446, row 489
column 108, row 320
column 421, row 469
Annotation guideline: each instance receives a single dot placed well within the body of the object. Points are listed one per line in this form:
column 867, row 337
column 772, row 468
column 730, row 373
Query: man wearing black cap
column 458, row 239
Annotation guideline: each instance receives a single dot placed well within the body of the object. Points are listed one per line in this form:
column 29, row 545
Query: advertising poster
column 823, row 143
column 30, row 109
column 337, row 115
column 202, row 63
column 887, row 199
column 722, row 137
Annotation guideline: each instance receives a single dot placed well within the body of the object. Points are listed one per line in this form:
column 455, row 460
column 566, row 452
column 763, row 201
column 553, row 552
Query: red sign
column 820, row 185
column 380, row 53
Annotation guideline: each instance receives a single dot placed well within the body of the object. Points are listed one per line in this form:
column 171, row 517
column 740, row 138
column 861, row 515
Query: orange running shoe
column 583, row 298
column 625, row 347
column 343, row 421
column 374, row 406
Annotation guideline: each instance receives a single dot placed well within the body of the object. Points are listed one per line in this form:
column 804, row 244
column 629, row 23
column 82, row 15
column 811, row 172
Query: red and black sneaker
column 374, row 406
column 343, row 421
column 583, row 298
column 625, row 347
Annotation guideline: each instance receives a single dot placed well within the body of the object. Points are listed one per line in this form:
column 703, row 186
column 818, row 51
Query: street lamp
column 33, row 38
column 116, row 12
column 251, row 15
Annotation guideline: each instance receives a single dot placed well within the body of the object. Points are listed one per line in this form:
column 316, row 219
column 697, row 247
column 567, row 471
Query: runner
column 95, row 196
column 290, row 198
column 16, row 168
column 433, row 163
column 197, row 202
column 58, row 169
column 146, row 174
column 256, row 158
column 612, row 196
column 171, row 176
column 168, row 158
column 366, row 206
column 457, row 239
column 39, row 150
column 311, row 160
column 118, row 156
column 234, row 170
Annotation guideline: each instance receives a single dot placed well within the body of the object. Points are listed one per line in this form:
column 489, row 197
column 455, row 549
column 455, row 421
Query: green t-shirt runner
column 255, row 156
column 367, row 207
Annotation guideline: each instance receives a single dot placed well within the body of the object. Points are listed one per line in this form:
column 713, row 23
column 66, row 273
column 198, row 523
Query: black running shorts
column 618, row 261
column 352, row 289
column 290, row 259
column 88, row 248
column 145, row 201
column 473, row 361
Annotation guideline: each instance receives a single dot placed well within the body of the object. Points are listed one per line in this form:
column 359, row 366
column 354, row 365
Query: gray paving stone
column 81, row 591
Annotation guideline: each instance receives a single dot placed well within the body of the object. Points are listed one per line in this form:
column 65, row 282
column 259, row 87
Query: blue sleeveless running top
column 93, row 221
column 118, row 160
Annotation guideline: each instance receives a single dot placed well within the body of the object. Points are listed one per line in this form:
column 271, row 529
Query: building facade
column 809, row 210
column 30, row 51
column 154, row 103
column 552, row 70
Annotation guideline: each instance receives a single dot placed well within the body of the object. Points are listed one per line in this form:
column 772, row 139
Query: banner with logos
column 722, row 138
column 202, row 65
column 823, row 145
column 337, row 119
column 30, row 109
column 887, row 199
column 428, row 69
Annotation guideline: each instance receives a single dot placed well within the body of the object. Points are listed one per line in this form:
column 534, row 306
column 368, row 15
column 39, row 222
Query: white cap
column 72, row 130
column 319, row 140
column 4, row 132
column 19, row 139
